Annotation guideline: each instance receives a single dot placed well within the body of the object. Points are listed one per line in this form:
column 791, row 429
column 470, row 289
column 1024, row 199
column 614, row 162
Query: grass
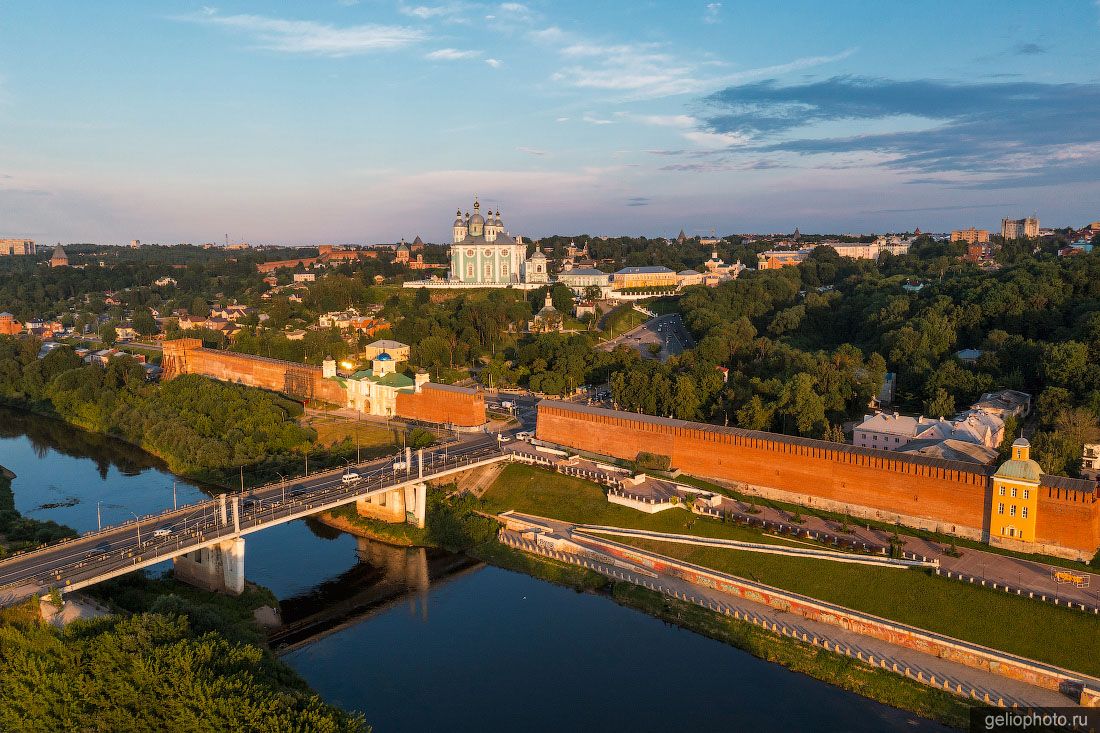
column 916, row 597
column 843, row 672
column 335, row 430
column 937, row 537
column 535, row 491
column 979, row 615
column 622, row 319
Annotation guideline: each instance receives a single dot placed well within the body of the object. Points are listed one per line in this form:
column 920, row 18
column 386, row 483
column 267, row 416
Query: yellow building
column 644, row 278
column 970, row 236
column 1015, row 496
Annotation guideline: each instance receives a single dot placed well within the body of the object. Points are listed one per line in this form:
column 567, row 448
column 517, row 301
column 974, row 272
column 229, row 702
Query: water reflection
column 384, row 576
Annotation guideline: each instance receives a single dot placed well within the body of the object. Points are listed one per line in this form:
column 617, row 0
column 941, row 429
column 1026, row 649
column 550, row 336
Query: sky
column 366, row 121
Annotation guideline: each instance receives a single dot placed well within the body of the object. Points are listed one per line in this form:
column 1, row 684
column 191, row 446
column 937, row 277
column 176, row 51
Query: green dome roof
column 1021, row 470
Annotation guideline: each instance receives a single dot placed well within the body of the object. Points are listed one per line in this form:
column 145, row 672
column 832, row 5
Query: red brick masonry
column 952, row 494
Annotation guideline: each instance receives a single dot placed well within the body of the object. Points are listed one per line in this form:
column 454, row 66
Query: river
column 424, row 640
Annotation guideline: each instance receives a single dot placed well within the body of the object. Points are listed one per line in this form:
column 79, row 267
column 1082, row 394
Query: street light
column 99, row 515
column 283, row 483
column 137, row 526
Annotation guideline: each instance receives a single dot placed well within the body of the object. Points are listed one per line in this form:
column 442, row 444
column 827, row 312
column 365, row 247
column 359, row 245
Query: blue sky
column 344, row 121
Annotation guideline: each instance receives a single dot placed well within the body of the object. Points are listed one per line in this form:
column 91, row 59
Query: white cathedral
column 482, row 254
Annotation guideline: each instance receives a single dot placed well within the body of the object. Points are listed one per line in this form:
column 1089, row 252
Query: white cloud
column 494, row 63
column 532, row 151
column 714, row 139
column 562, row 119
column 427, row 12
column 594, row 120
column 550, row 34
column 666, row 120
column 517, row 11
column 712, row 12
column 452, row 54
column 310, row 37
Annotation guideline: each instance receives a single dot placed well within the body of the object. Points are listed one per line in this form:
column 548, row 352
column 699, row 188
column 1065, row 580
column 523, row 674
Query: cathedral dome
column 458, row 219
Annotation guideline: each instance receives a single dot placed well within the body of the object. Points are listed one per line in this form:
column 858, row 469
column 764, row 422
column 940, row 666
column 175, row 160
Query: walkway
column 925, row 668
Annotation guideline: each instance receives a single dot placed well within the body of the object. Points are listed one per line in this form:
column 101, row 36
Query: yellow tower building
column 1015, row 496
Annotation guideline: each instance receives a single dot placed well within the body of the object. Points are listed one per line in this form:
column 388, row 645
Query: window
column 469, row 271
column 488, row 271
column 488, row 253
column 469, row 253
column 1001, row 508
column 1027, row 493
column 504, row 269
column 1023, row 512
column 1013, row 492
column 1011, row 510
column 1002, row 491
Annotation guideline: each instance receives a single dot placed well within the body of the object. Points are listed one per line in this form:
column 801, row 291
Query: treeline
column 194, row 423
column 175, row 667
column 831, row 327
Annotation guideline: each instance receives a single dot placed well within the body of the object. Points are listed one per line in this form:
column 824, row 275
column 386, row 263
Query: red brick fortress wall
column 952, row 495
column 442, row 403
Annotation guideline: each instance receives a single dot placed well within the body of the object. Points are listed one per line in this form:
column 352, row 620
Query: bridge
column 205, row 541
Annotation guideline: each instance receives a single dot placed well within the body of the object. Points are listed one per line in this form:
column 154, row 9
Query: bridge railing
column 318, row 499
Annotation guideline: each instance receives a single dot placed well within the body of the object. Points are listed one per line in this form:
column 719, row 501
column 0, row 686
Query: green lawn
column 979, row 615
column 535, row 491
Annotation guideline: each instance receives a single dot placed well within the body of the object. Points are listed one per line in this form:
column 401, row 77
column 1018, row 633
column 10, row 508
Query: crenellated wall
column 932, row 493
column 434, row 403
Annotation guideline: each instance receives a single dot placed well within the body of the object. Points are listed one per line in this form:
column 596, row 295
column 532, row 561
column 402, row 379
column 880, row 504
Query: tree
column 198, row 306
column 144, row 323
column 592, row 293
column 107, row 333
column 942, row 404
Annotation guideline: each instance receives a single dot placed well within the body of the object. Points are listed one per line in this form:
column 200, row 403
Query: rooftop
column 646, row 270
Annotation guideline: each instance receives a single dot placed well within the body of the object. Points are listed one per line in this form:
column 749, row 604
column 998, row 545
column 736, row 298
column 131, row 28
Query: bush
column 652, row 462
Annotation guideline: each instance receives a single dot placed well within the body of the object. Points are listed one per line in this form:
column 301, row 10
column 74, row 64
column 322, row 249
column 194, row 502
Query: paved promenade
column 948, row 675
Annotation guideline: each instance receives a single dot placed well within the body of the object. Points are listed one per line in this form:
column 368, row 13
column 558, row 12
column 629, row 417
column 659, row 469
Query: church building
column 482, row 254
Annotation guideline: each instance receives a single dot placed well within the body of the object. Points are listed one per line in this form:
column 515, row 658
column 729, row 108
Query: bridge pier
column 219, row 567
column 408, row 504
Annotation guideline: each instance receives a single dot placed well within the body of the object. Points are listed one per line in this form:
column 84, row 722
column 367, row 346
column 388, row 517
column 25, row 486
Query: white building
column 374, row 391
column 481, row 253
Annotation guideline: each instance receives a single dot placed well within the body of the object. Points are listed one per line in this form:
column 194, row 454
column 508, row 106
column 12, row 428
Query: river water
column 426, row 640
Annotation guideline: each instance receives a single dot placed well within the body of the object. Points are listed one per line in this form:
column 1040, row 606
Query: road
column 138, row 543
column 668, row 332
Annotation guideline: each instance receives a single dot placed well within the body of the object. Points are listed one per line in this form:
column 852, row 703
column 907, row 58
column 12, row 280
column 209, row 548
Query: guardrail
column 1016, row 590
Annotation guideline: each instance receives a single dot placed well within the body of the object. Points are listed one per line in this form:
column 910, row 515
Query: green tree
column 942, row 404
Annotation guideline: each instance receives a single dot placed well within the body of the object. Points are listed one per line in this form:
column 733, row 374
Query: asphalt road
column 668, row 332
column 138, row 542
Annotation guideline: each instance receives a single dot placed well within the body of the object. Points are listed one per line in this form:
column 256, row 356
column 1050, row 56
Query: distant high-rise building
column 1020, row 228
column 16, row 247
column 970, row 236
column 135, row 243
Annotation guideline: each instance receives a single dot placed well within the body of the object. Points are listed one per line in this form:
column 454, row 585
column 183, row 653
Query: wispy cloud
column 494, row 63
column 449, row 10
column 310, row 37
column 452, row 54
column 532, row 151
column 1029, row 49
column 594, row 120
column 712, row 13
column 638, row 201
column 650, row 70
column 992, row 134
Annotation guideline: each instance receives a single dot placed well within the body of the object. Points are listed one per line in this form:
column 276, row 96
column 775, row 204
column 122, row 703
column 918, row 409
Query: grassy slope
column 979, row 615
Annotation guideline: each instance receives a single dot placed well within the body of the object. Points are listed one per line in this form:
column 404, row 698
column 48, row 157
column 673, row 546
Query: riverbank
column 209, row 653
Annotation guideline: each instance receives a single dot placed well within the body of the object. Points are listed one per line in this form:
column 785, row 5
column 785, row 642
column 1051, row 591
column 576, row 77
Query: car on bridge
column 350, row 477
column 162, row 532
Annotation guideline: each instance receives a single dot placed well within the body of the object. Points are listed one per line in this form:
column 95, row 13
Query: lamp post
column 138, row 527
column 282, row 481
column 99, row 515
column 175, row 506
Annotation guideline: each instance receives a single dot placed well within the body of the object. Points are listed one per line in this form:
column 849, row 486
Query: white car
column 502, row 438
column 525, row 435
column 162, row 532
column 350, row 477
column 507, row 405
column 400, row 465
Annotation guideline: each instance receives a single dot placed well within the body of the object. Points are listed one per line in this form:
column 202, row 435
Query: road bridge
column 205, row 540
